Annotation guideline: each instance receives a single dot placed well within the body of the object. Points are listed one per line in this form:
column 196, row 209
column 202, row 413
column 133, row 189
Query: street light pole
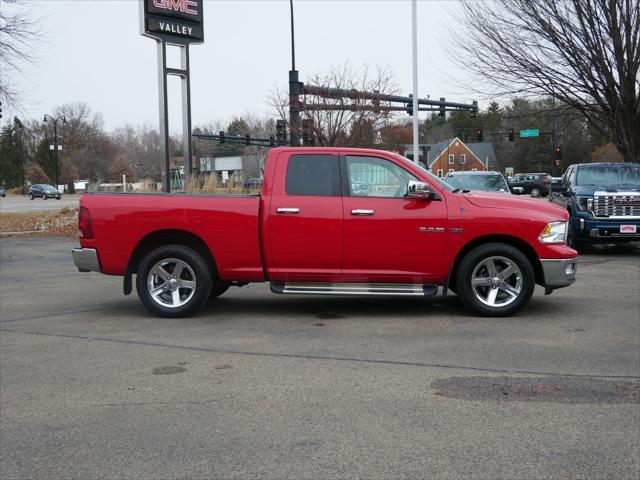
column 55, row 138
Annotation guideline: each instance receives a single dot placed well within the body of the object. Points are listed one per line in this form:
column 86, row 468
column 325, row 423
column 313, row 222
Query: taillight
column 84, row 223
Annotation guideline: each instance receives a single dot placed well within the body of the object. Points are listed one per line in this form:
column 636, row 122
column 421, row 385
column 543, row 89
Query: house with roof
column 453, row 155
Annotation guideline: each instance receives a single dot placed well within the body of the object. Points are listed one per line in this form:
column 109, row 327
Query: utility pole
column 414, row 35
column 55, row 138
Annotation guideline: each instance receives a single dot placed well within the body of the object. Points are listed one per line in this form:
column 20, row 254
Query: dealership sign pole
column 178, row 23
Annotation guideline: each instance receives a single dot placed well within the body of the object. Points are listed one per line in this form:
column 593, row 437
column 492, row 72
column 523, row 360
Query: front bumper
column 558, row 272
column 86, row 259
column 597, row 230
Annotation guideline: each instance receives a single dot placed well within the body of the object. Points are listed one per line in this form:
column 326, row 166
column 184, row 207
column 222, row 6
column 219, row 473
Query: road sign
column 529, row 133
column 52, row 147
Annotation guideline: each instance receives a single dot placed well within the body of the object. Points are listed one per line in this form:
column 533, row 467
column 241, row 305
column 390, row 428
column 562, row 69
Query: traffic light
column 308, row 133
column 376, row 102
column 510, row 134
column 247, row 139
column 221, row 137
column 272, row 140
column 474, row 110
column 281, row 132
column 410, row 105
column 558, row 152
column 442, row 112
column 479, row 134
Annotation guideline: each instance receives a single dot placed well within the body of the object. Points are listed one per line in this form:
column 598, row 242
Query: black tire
column 578, row 245
column 217, row 289
column 535, row 192
column 31, row 196
column 58, row 198
column 197, row 268
column 474, row 260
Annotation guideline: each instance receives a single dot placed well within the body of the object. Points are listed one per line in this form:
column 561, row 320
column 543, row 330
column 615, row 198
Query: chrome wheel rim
column 496, row 281
column 171, row 283
column 535, row 192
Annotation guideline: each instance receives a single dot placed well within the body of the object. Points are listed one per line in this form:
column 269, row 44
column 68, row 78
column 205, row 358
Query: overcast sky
column 92, row 51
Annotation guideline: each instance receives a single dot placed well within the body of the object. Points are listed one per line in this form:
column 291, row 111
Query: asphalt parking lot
column 266, row 386
column 23, row 204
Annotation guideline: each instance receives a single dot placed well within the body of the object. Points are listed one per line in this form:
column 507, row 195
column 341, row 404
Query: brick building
column 455, row 155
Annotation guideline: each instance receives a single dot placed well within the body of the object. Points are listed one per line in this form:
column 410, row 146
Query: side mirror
column 419, row 190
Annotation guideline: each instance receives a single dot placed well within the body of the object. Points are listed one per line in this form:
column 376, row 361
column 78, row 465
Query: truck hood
column 514, row 202
column 589, row 190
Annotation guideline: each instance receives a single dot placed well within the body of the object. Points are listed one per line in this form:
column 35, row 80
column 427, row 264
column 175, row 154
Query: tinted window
column 313, row 175
column 376, row 177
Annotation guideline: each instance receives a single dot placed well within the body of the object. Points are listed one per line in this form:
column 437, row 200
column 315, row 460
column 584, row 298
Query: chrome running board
column 408, row 289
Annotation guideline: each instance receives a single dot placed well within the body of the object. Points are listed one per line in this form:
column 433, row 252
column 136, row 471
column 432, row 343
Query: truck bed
column 228, row 224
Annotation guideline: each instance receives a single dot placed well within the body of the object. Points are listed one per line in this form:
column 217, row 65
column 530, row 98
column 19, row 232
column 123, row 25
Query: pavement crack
column 142, row 404
column 323, row 357
column 48, row 315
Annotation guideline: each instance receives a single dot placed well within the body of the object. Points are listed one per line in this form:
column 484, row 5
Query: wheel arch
column 160, row 238
column 516, row 242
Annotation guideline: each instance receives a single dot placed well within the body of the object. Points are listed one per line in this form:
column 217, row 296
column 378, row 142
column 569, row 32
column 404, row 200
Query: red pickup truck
column 330, row 221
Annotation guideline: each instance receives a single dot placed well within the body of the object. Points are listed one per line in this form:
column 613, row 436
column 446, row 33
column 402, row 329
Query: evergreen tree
column 13, row 154
column 46, row 157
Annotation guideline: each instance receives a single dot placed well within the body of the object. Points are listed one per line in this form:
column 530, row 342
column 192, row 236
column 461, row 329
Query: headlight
column 584, row 203
column 554, row 232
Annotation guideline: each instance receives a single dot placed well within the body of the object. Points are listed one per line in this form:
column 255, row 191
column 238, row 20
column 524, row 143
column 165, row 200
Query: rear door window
column 317, row 175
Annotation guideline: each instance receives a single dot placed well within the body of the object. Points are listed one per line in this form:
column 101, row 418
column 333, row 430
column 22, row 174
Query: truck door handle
column 288, row 210
column 360, row 211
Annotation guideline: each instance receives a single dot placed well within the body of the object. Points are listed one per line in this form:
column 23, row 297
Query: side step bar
column 409, row 289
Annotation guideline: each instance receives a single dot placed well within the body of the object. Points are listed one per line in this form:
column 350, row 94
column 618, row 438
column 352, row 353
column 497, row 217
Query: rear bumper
column 558, row 272
column 86, row 259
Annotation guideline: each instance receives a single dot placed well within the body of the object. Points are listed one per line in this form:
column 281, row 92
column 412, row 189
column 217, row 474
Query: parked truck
column 603, row 202
column 315, row 231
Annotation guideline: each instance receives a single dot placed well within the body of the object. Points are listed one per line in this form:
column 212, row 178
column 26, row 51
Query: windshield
column 487, row 183
column 609, row 175
column 433, row 177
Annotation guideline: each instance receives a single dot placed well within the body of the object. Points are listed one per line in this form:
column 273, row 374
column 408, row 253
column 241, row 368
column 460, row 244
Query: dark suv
column 534, row 184
column 603, row 200
column 40, row 190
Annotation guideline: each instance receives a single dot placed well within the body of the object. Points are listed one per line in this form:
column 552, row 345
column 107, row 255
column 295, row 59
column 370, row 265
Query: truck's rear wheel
column 173, row 281
column 495, row 280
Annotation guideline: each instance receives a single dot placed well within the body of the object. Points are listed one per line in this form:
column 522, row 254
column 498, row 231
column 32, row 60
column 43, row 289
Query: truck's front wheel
column 495, row 280
column 173, row 281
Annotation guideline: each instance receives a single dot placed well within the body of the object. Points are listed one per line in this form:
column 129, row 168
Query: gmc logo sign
column 179, row 20
column 182, row 6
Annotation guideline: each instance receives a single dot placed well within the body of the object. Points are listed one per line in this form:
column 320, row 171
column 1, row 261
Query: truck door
column 387, row 237
column 305, row 224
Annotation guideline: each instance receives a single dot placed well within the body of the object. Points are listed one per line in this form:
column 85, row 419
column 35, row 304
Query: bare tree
column 584, row 53
column 18, row 30
column 342, row 127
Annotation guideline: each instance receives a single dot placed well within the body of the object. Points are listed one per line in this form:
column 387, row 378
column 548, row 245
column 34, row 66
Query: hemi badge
column 456, row 230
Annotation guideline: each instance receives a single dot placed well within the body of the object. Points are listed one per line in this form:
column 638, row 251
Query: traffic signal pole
column 414, row 42
column 294, row 91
